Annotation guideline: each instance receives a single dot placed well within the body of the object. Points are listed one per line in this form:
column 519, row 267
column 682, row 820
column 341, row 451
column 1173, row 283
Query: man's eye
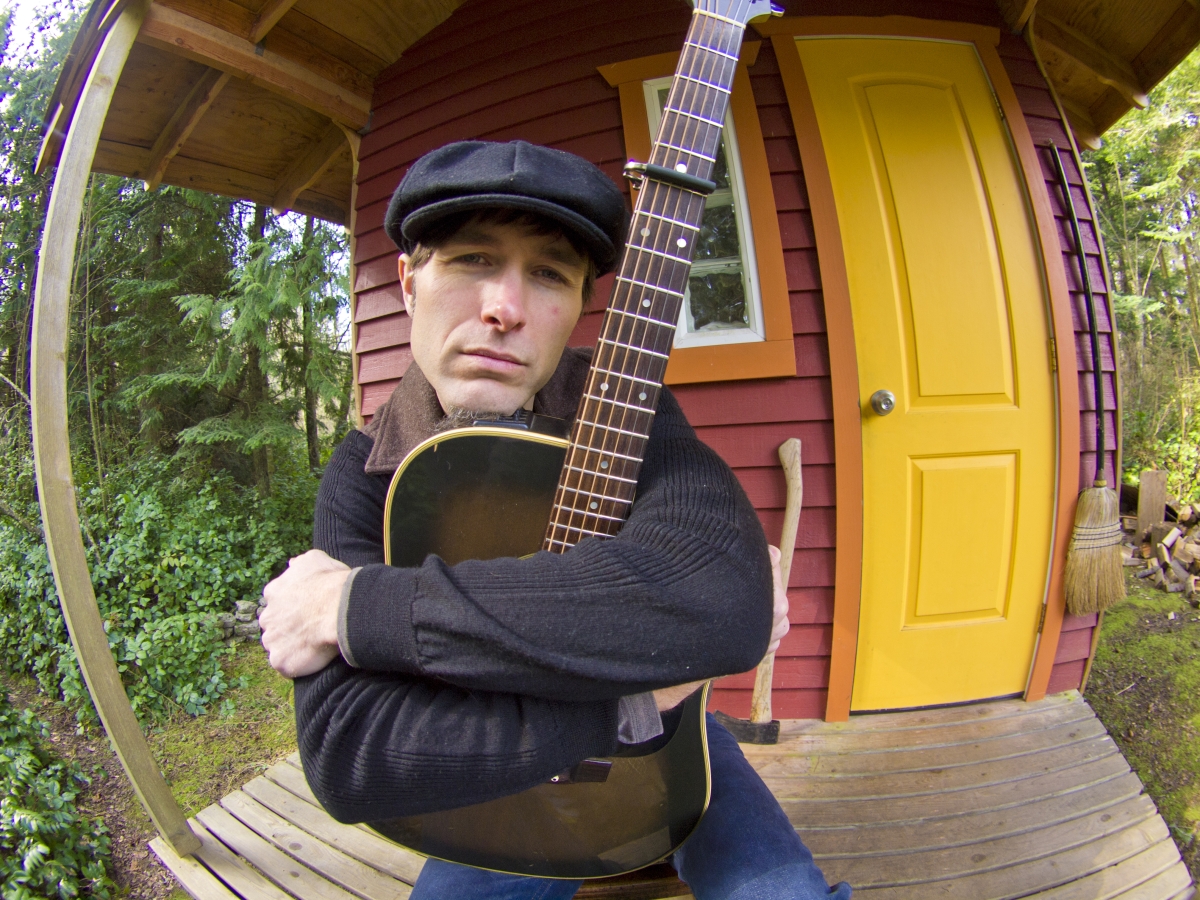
column 470, row 258
column 552, row 275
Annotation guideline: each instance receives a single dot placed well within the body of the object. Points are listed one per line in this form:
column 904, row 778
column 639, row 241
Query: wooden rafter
column 1105, row 66
column 185, row 35
column 1016, row 13
column 1082, row 123
column 185, row 119
column 307, row 168
column 268, row 17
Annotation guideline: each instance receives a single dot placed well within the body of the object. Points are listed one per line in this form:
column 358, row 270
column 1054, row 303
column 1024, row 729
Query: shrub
column 47, row 849
column 169, row 549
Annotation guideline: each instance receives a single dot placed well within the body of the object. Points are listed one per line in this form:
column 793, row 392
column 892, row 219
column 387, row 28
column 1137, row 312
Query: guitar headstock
column 743, row 11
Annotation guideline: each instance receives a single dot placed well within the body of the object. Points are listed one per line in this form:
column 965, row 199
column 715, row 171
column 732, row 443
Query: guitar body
column 487, row 492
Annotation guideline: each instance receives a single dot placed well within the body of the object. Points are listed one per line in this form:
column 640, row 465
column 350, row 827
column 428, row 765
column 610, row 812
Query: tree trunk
column 256, row 379
column 310, row 395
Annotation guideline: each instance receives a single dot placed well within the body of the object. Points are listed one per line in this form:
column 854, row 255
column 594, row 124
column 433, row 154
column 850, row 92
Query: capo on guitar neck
column 637, row 172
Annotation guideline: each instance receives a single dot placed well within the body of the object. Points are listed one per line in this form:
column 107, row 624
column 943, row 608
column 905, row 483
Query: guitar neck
column 616, row 412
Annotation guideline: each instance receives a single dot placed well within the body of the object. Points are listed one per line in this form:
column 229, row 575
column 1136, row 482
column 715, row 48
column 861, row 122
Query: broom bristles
column 1095, row 575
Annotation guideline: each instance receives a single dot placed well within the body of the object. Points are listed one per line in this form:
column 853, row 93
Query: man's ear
column 405, row 267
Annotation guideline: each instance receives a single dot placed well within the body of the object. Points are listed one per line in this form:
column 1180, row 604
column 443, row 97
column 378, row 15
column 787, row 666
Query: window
column 722, row 303
column 736, row 322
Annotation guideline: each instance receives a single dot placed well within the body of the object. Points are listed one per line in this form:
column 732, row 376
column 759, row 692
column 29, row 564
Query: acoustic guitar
column 488, row 491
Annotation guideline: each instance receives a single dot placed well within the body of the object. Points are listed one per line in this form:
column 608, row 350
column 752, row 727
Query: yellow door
column 950, row 315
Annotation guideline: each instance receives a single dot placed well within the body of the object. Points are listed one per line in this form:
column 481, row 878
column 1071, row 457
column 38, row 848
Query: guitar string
column 638, row 328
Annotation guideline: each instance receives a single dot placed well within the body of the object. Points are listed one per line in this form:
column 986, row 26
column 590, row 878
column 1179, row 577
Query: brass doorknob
column 883, row 402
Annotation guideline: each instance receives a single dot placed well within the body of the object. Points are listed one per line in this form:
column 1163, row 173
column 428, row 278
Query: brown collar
column 413, row 413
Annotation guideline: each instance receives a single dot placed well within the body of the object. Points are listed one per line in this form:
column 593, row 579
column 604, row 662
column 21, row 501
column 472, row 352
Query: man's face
column 491, row 313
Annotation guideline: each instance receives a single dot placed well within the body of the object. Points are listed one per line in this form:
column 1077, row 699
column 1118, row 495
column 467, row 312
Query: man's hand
column 299, row 624
column 669, row 698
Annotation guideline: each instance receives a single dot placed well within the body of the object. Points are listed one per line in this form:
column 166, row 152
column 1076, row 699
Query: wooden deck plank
column 1031, row 877
column 196, row 880
column 955, row 778
column 294, row 877
column 1175, row 878
column 360, row 879
column 969, row 827
column 954, row 863
column 788, row 762
column 946, row 715
column 233, row 871
column 984, row 802
column 1125, row 876
column 351, row 840
column 858, row 736
column 825, row 812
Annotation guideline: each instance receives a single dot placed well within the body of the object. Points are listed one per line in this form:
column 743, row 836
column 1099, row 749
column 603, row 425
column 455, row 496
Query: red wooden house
column 887, row 220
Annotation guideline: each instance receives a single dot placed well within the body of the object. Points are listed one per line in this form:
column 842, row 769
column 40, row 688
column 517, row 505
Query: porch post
column 51, row 450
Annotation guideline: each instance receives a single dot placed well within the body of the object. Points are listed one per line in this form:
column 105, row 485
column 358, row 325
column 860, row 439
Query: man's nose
column 504, row 300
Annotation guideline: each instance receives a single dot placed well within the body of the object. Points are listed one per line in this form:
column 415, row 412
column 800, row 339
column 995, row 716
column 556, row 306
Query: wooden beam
column 1016, row 13
column 268, row 17
column 185, row 35
column 51, row 449
column 1107, row 68
column 307, row 168
column 1081, row 122
column 185, row 118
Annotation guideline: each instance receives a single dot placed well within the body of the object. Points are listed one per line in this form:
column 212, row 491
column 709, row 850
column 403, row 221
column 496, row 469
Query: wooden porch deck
column 994, row 800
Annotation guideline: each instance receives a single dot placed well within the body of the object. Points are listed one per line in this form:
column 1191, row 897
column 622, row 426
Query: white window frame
column 754, row 330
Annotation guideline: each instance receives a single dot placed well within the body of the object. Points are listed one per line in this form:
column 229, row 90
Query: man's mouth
column 492, row 358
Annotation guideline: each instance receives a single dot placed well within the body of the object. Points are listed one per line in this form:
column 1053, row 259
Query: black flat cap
column 470, row 175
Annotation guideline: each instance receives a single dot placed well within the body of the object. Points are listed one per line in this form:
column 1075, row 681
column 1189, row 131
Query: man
column 441, row 686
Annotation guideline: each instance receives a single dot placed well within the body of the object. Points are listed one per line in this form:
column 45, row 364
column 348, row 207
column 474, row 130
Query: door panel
column 950, row 314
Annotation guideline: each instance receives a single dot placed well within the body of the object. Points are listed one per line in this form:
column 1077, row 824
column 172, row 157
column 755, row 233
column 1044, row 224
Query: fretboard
column 615, row 415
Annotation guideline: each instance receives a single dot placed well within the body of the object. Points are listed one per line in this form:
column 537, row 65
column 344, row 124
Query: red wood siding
column 1045, row 125
column 526, row 69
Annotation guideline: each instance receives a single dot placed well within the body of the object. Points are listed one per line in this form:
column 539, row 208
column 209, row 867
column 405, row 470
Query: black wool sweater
column 485, row 678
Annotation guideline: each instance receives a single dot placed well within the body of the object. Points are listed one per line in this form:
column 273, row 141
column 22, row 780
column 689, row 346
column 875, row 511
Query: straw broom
column 1094, row 578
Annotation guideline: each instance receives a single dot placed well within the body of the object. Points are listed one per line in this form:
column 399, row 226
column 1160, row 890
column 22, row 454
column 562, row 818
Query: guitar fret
column 602, row 475
column 635, row 434
column 634, row 349
column 612, row 453
column 686, row 225
column 712, row 15
column 583, row 531
column 619, row 403
column 583, row 493
column 710, row 49
column 625, row 376
column 699, row 118
column 650, row 287
column 646, row 319
column 593, row 515
column 665, row 145
column 707, row 84
column 640, row 249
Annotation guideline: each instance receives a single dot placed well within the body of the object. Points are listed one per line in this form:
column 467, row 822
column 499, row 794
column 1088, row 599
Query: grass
column 205, row 758
column 1145, row 687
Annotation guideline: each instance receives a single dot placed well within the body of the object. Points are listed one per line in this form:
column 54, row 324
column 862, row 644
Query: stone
column 247, row 631
column 227, row 622
column 246, row 607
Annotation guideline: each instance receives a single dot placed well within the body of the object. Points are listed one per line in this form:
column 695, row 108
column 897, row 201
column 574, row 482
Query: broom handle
column 1093, row 328
column 789, row 456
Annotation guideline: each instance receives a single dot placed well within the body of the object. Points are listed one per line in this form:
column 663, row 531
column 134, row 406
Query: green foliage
column 47, row 849
column 169, row 550
column 1146, row 180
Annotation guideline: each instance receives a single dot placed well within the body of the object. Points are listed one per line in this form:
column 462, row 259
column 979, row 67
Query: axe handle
column 789, row 456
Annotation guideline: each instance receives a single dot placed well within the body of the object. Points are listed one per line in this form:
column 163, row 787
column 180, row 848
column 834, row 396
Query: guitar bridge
column 590, row 770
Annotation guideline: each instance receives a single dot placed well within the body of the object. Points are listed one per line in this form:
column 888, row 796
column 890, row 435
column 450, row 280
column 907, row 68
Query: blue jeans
column 744, row 849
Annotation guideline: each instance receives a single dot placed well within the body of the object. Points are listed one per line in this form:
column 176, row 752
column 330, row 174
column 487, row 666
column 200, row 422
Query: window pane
column 718, row 301
column 718, row 236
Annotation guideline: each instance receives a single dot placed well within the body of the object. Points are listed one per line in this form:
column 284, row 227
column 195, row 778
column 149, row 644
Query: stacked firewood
column 1169, row 554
